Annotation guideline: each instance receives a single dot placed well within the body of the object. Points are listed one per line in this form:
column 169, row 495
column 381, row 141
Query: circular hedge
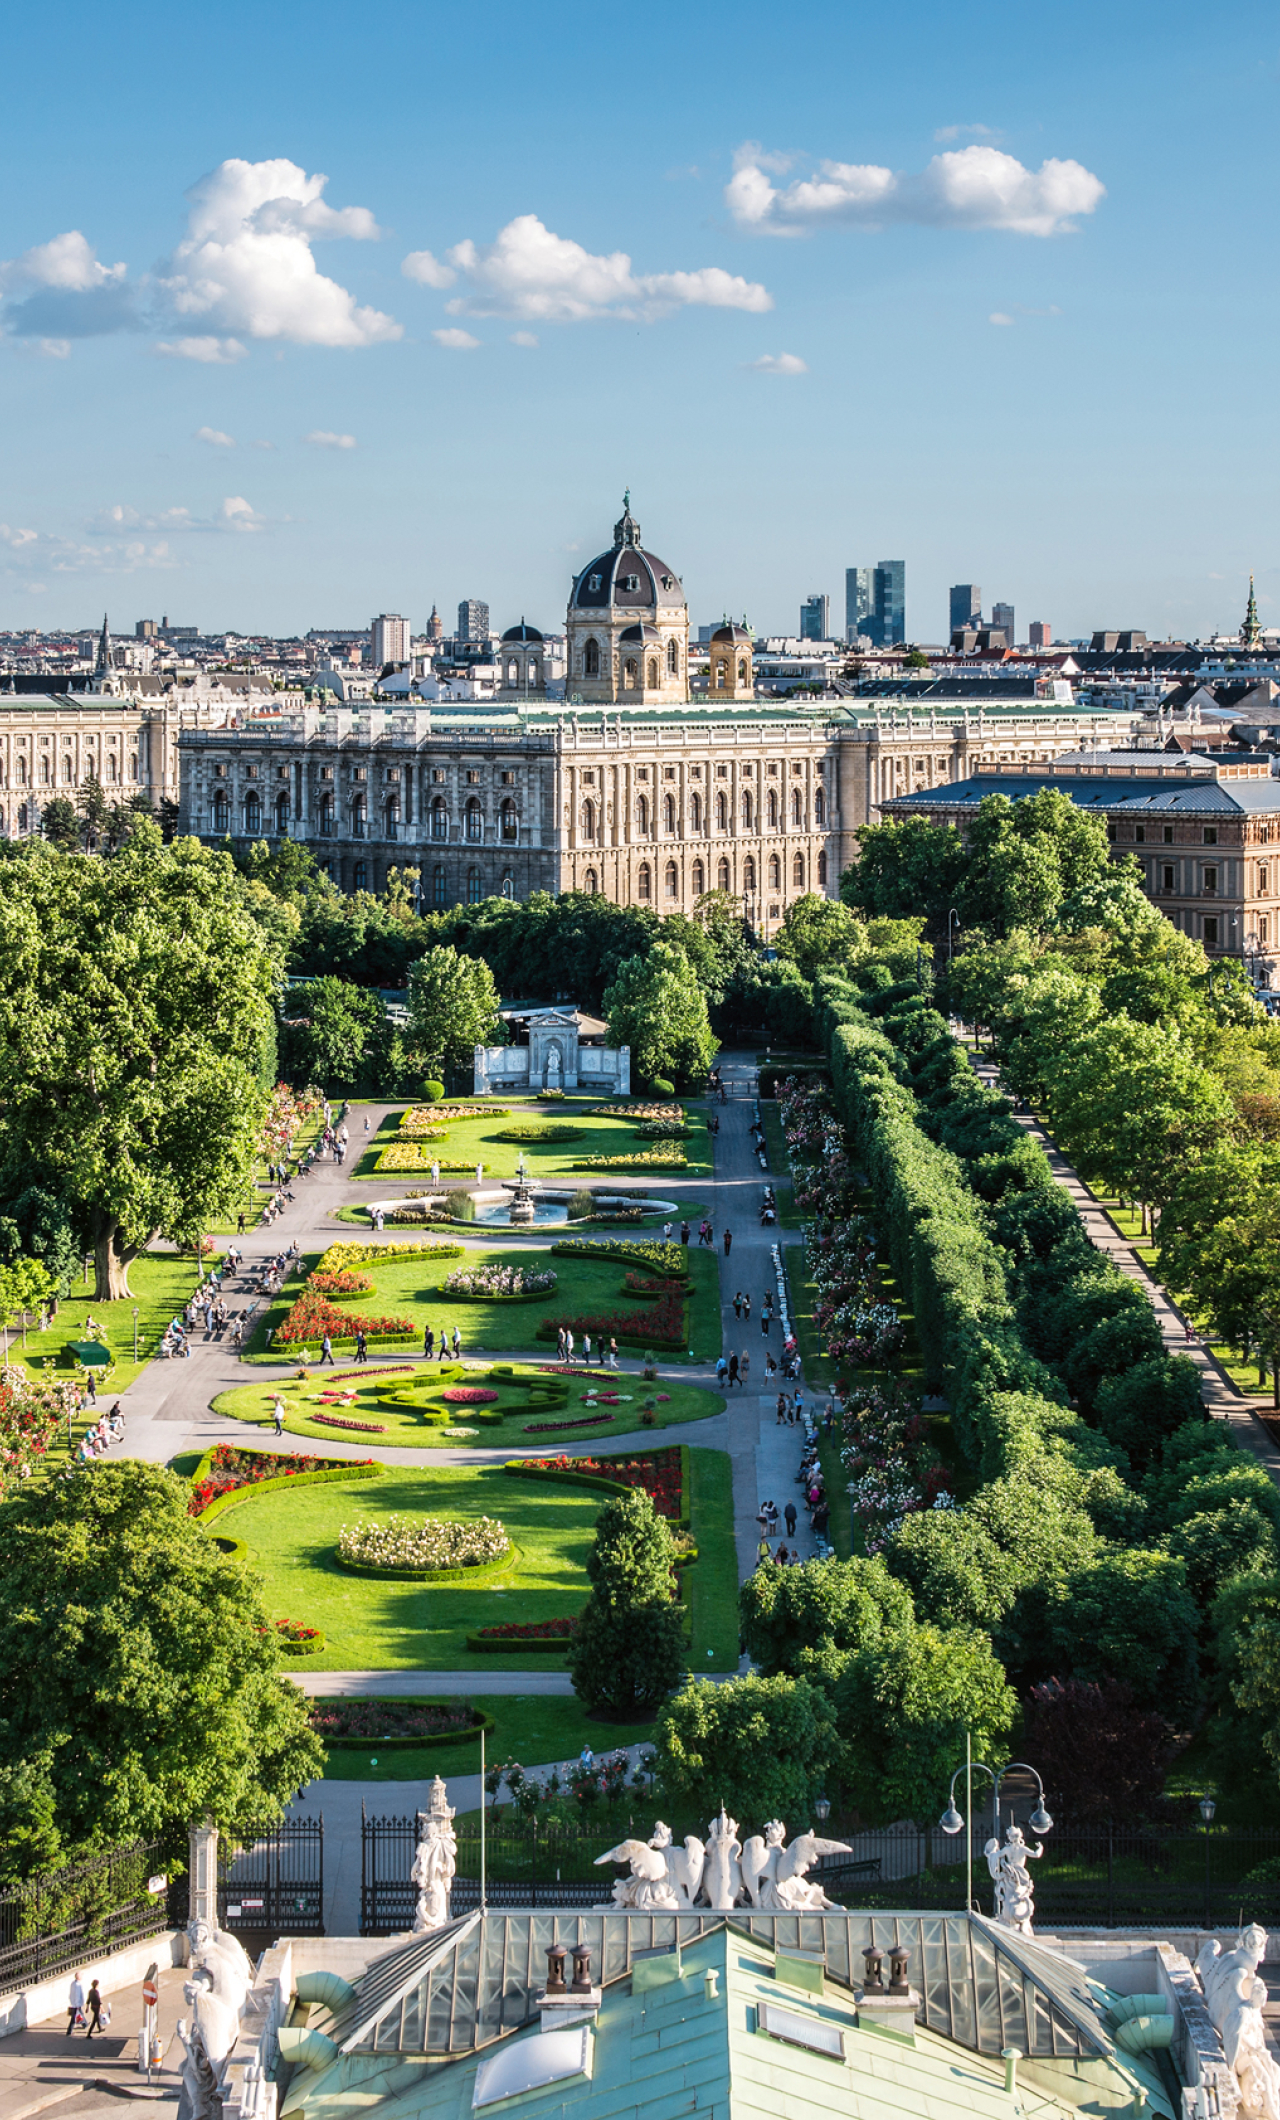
column 550, row 1130
column 483, row 1572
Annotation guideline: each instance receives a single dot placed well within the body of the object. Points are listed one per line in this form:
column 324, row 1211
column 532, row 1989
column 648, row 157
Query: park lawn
column 540, row 1730
column 711, row 1584
column 585, row 1287
column 474, row 1141
column 162, row 1282
column 403, row 1428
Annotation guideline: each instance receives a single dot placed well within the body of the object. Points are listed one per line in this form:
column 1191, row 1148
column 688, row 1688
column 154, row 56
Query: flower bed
column 485, row 1283
column 396, row 1722
column 639, row 1159
column 227, row 1469
column 293, row 1639
column 531, row 1630
column 659, row 1257
column 340, row 1256
column 338, row 1420
column 424, row 1117
column 399, row 1545
column 894, row 1472
column 658, row 1113
column 406, row 1155
column 661, row 1325
column 549, row 1130
column 469, row 1395
column 590, row 1420
column 661, row 1473
column 340, row 1284
column 313, row 1316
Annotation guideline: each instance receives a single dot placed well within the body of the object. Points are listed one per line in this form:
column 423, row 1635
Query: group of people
column 97, row 1440
column 565, row 1344
column 429, row 1343
column 768, row 1208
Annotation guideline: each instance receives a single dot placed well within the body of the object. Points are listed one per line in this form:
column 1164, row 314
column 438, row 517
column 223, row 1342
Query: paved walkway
column 1221, row 1395
column 44, row 2073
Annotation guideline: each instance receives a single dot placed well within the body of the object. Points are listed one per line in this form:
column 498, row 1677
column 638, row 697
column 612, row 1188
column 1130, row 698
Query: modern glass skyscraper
column 891, row 602
column 966, row 605
column 859, row 601
column 1002, row 615
column 815, row 617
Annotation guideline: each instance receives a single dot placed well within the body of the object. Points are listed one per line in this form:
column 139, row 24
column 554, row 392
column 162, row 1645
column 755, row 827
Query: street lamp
column 1207, row 1808
column 951, row 1820
column 822, row 1809
column 135, row 1332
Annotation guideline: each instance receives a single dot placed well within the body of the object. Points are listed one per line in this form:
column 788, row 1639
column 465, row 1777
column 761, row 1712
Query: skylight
column 819, row 2037
column 527, row 2064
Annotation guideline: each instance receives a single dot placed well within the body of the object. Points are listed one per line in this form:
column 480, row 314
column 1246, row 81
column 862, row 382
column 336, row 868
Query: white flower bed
column 498, row 1281
column 425, row 1542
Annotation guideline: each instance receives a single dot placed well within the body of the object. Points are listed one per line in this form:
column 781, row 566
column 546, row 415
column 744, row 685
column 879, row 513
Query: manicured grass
column 585, row 1287
column 538, row 1730
column 161, row 1282
column 712, row 1582
column 473, row 1141
column 252, row 1403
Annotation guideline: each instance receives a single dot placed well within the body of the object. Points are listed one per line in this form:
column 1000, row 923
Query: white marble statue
column 1015, row 1896
column 435, row 1863
column 648, row 1889
column 722, row 1877
column 1235, row 1998
column 220, row 1979
column 774, row 1874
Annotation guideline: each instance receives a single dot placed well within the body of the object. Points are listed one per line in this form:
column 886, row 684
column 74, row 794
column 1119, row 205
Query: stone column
column 203, row 1875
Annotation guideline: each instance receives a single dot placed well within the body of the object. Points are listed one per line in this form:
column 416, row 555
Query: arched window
column 742, row 672
column 282, row 815
column 533, row 672
column 722, row 876
column 642, row 881
column 473, row 886
column 221, row 814
column 797, row 869
column 673, row 658
column 22, row 818
column 360, row 876
column 252, row 814
column 746, row 809
column 819, row 807
column 748, row 874
column 697, row 875
column 822, row 868
column 392, row 819
column 44, row 772
column 513, row 673
column 669, row 814
column 66, row 768
column 695, row 813
column 775, row 873
column 509, row 820
column 113, row 771
column 722, row 813
column 797, row 806
column 508, row 884
column 440, row 821
column 673, row 880
column 591, row 659
column 588, row 820
column 642, row 815
column 326, row 814
column 653, row 673
column 475, row 820
column 721, row 678
column 772, row 811
column 631, row 674
column 589, row 883
column 438, row 894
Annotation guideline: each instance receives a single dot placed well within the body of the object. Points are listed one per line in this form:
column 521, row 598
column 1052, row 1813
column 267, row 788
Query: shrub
column 581, row 1205
column 398, row 1542
column 1101, row 1755
column 759, row 1746
column 663, row 1087
column 668, row 1260
column 432, row 1092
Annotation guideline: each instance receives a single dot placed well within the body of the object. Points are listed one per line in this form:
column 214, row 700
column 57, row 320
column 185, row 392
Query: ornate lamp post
column 951, row 1820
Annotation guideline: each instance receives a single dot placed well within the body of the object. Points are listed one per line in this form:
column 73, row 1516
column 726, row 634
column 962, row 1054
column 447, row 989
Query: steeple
column 626, row 531
column 1251, row 631
column 103, row 664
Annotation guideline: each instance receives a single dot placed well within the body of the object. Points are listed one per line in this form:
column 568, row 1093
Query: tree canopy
column 453, row 1007
column 656, row 1007
column 628, row 1652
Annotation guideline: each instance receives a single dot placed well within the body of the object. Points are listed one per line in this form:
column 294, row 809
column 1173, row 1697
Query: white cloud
column 54, row 349
column 455, row 341
column 969, row 187
column 60, row 291
column 215, row 437
column 35, row 551
column 234, row 513
column 779, row 364
column 221, row 351
column 325, row 438
column 67, row 262
column 246, row 265
column 530, row 272
column 524, row 338
column 998, row 316
column 966, row 132
column 420, row 265
column 17, row 538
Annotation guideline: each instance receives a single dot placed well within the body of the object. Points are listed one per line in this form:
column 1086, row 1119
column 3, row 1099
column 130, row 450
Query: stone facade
column 554, row 1056
column 51, row 743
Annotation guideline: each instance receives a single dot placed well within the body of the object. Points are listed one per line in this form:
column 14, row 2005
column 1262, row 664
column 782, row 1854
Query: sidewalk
column 43, row 2072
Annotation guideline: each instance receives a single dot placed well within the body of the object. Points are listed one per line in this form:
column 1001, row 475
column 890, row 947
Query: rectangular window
column 1264, row 931
column 668, row 772
column 359, row 772
column 773, row 772
column 220, row 772
column 722, row 772
column 1140, row 833
column 508, row 780
column 1166, row 877
column 1262, row 881
column 747, row 772
column 1211, row 835
column 1211, row 883
column 326, row 772
column 1168, row 835
column 1211, row 934
column 642, row 772
column 473, row 780
column 437, row 778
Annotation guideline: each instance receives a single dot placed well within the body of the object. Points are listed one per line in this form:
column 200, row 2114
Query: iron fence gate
column 274, row 1879
column 53, row 1921
column 528, row 1867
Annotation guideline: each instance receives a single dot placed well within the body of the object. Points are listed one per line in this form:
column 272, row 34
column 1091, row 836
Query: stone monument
column 221, row 1977
column 435, row 1863
column 1015, row 1896
column 721, row 1872
column 1235, row 1999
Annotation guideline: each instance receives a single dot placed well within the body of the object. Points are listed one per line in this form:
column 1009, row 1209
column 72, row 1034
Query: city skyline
column 286, row 371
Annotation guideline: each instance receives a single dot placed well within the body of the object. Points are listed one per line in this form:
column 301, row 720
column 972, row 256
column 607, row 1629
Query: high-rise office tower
column 815, row 617
column 891, row 602
column 473, row 620
column 1002, row 616
column 390, row 640
column 859, row 602
column 1040, row 633
column 966, row 605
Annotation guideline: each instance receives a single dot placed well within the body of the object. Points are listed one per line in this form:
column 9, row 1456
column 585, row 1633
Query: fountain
column 521, row 1211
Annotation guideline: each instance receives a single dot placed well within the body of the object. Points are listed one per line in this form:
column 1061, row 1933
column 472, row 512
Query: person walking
column 744, row 1368
column 586, row 1348
column 733, row 1370
column 240, row 1223
column 728, row 1242
column 362, row 1347
column 444, row 1345
column 93, row 2005
column 762, row 1550
column 613, row 1354
column 782, row 1409
column 790, row 1514
column 746, row 1308
column 737, row 1304
column 428, row 1342
column 75, row 2002
column 568, row 1346
column 766, row 1320
column 684, row 1235
column 435, row 1171
column 457, row 1345
column 326, row 1353
column 277, row 1413
column 560, row 1344
column 722, row 1371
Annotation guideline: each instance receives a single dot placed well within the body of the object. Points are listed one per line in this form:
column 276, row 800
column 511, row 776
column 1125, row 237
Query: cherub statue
column 774, row 1875
column 434, row 1864
column 648, row 1889
column 722, row 1877
column 1235, row 1999
column 1015, row 1897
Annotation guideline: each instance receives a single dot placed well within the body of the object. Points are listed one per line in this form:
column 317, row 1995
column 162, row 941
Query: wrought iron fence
column 1105, row 1877
column 274, row 1879
column 56, row 1920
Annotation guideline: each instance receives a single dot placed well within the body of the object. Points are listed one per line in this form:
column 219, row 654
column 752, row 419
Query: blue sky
column 225, row 398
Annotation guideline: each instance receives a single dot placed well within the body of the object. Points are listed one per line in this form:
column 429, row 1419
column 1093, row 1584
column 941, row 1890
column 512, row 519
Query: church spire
column 1251, row 631
column 103, row 664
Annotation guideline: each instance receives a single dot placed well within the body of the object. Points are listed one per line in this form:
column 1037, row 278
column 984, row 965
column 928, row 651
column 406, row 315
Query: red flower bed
column 313, row 1315
column 657, row 1471
column 340, row 1284
column 557, row 1369
column 591, row 1420
column 661, row 1322
column 375, row 1719
column 469, row 1395
column 533, row 1630
column 292, row 1630
column 230, row 1468
column 337, row 1420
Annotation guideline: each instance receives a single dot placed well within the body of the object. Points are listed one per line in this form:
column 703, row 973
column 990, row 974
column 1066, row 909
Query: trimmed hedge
column 435, row 1737
column 483, row 1572
column 565, row 1476
column 292, row 1479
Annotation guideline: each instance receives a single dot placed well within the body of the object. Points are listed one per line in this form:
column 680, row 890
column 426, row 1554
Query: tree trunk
column 111, row 1258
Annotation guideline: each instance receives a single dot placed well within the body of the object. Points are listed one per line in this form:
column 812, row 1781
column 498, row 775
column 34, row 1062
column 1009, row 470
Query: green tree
column 629, row 1652
column 762, row 1747
column 331, row 1030
column 903, row 1708
column 60, row 824
column 1133, row 1106
column 1128, row 1616
column 453, row 1007
column 787, row 1612
column 95, row 811
column 135, row 1001
column 1026, row 858
column 820, row 934
column 25, row 1284
column 139, row 1685
column 657, row 1008
column 906, row 868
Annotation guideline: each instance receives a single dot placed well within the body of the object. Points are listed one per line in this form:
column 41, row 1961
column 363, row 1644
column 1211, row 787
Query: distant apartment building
column 1002, row 621
column 391, row 640
column 1040, row 633
column 473, row 620
column 815, row 617
column 966, row 605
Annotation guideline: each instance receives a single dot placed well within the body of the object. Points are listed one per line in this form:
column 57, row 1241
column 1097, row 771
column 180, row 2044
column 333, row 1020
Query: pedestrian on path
column 362, row 1348
column 666, row 1232
column 586, row 1348
column 746, row 1308
column 277, row 1413
column 560, row 1345
column 790, row 1514
column 782, row 1409
column 326, row 1353
column 457, row 1345
column 733, row 1369
column 428, row 1342
column 722, row 1371
column 766, row 1321
column 762, row 1551
column 684, row 1235
column 744, row 1369
column 75, row 2002
column 568, row 1346
column 479, row 1173
column 770, row 1368
column 613, row 1354
column 444, row 1345
column 728, row 1242
column 93, row 2005
column 737, row 1304
column 435, row 1172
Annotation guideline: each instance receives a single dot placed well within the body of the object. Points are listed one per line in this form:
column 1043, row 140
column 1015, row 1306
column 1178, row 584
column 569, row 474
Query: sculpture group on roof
column 722, row 1872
